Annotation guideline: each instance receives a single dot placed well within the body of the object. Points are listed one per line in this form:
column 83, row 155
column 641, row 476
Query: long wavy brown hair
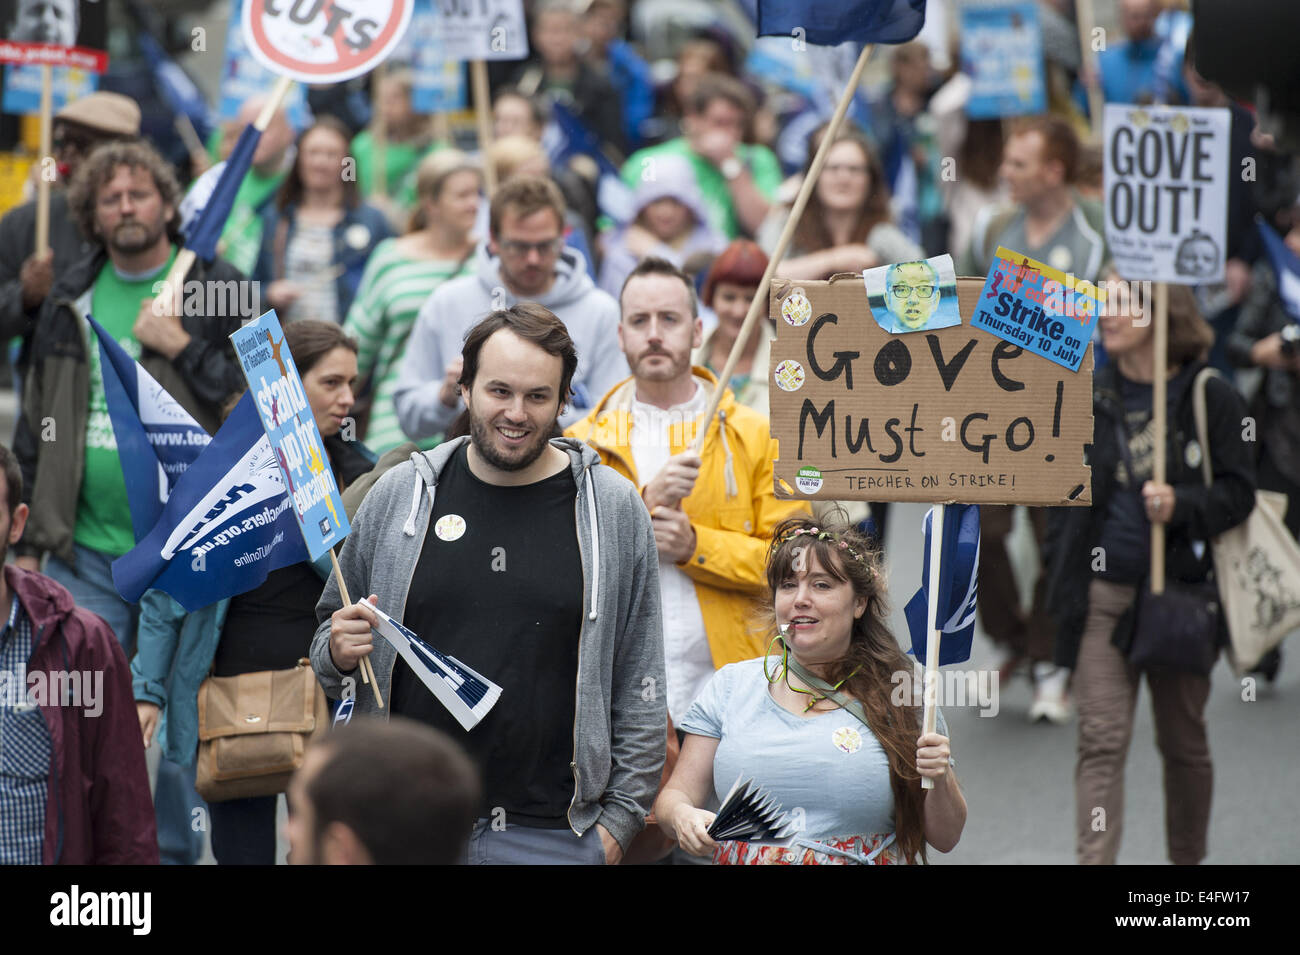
column 873, row 653
column 811, row 235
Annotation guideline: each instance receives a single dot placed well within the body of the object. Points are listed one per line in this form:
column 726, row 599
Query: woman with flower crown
column 824, row 723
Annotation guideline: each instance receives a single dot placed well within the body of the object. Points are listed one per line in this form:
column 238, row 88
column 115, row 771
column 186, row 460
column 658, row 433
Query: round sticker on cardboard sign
column 808, row 480
column 796, row 309
column 323, row 42
column 789, row 375
column 450, row 527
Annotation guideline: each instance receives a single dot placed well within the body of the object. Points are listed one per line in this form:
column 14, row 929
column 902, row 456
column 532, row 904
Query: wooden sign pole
column 930, row 717
column 758, row 306
column 1158, row 416
column 483, row 115
column 47, row 149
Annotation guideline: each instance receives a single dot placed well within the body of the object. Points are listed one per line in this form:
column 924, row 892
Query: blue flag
column 959, row 561
column 227, row 524
column 565, row 137
column 1287, row 266
column 831, row 22
column 156, row 438
column 202, row 233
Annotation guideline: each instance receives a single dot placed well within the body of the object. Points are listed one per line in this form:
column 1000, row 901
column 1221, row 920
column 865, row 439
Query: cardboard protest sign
column 913, row 296
column 243, row 77
column 318, row 41
column 1002, row 53
column 947, row 415
column 481, row 29
column 1049, row 312
column 69, row 33
column 287, row 417
column 1166, row 185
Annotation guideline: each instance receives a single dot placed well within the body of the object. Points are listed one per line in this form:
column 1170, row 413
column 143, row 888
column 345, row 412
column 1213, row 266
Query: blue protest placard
column 1043, row 310
column 287, row 417
column 22, row 87
column 438, row 80
column 1002, row 53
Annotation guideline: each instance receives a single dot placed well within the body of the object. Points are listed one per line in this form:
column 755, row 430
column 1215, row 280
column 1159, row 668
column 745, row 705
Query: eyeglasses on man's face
column 519, row 250
column 903, row 290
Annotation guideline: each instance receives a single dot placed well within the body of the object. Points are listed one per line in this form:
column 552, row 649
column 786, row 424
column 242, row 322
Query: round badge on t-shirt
column 450, row 527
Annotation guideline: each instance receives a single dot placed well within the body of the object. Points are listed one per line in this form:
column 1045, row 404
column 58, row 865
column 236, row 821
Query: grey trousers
column 520, row 845
column 1105, row 691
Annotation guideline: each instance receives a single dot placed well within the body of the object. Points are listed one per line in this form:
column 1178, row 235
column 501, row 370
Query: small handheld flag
column 157, row 439
column 467, row 695
column 226, row 525
column 958, row 573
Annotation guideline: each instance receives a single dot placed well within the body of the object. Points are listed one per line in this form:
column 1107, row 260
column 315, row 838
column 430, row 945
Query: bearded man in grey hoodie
column 525, row 260
column 534, row 564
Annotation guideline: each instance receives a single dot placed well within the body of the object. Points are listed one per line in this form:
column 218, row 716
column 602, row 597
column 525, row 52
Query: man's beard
column 131, row 247
column 480, row 434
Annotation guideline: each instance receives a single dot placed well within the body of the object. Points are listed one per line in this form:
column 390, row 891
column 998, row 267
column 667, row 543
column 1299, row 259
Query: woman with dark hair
column 1098, row 560
column 815, row 726
column 846, row 226
column 317, row 239
column 729, row 289
column 268, row 628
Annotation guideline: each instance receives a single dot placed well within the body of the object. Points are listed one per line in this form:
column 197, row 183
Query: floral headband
column 822, row 535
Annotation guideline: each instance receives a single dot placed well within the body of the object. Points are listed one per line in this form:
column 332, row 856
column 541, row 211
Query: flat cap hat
column 110, row 113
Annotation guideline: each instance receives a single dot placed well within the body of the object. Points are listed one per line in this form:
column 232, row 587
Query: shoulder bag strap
column 828, row 691
column 1202, row 431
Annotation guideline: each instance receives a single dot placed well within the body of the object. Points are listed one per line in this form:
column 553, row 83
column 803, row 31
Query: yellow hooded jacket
column 733, row 508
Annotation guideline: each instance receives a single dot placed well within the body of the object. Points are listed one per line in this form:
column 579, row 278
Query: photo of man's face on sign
column 66, row 23
column 913, row 296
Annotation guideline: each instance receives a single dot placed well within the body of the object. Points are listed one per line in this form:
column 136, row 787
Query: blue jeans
column 91, row 586
column 180, row 842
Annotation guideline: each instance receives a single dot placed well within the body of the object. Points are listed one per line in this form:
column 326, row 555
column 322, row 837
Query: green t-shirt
column 103, row 513
column 762, row 163
column 400, row 162
column 241, row 239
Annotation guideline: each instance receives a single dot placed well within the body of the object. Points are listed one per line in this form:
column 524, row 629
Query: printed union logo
column 808, row 480
column 324, row 526
column 796, row 309
column 789, row 375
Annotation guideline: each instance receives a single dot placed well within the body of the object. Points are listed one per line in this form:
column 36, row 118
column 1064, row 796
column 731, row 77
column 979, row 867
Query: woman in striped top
column 402, row 274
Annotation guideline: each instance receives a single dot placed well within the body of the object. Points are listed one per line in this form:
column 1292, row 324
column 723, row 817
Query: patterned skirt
column 878, row 849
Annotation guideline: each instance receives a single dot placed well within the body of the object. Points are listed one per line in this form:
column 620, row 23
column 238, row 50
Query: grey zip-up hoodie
column 621, row 718
column 438, row 336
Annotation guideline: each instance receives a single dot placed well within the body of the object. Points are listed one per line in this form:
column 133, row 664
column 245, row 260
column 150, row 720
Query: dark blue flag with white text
column 959, row 561
column 157, row 439
column 227, row 524
column 831, row 22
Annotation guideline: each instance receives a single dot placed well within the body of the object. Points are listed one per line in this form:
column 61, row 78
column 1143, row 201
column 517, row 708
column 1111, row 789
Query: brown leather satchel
column 254, row 730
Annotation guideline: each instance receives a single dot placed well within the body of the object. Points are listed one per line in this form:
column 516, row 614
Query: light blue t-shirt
column 830, row 765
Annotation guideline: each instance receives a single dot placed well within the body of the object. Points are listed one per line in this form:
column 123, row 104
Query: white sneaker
column 1051, row 702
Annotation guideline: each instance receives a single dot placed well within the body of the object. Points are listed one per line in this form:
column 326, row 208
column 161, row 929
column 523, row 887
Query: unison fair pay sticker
column 789, row 375
column 796, row 309
column 808, row 480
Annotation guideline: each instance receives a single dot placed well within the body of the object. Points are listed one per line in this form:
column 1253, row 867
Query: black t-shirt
column 271, row 626
column 499, row 587
column 1126, row 531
